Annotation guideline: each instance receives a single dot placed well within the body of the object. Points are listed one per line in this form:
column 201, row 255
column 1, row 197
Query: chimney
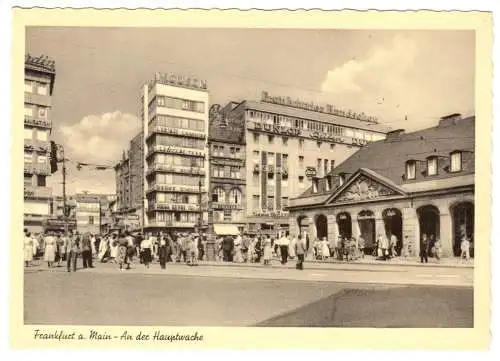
column 450, row 119
column 394, row 134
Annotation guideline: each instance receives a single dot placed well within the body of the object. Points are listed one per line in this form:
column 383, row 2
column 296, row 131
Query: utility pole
column 200, row 217
column 65, row 218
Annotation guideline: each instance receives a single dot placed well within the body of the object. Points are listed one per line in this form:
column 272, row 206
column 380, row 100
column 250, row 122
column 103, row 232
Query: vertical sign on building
column 263, row 183
column 278, row 181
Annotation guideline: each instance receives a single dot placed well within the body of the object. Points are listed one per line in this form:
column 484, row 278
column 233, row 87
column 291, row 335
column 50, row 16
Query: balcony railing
column 187, row 207
column 172, row 224
column 174, row 188
column 31, row 192
column 170, row 149
column 176, row 169
column 219, row 205
column 158, row 129
column 38, row 145
column 266, row 213
column 41, row 169
column 37, row 122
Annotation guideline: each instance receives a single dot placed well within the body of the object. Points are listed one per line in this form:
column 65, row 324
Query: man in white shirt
column 284, row 244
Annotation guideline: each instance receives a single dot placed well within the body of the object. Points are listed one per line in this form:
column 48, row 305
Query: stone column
column 446, row 234
column 355, row 227
column 333, row 227
column 411, row 232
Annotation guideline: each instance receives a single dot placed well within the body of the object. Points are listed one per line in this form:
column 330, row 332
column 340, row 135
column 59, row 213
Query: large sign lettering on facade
column 278, row 129
column 365, row 189
column 179, row 80
column 327, row 108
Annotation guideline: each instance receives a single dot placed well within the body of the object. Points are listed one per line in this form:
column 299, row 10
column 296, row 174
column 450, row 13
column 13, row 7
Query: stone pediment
column 363, row 188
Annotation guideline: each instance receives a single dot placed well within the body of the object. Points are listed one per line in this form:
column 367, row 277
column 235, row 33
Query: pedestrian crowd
column 124, row 248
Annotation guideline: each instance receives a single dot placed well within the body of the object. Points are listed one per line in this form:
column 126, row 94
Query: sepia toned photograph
column 250, row 177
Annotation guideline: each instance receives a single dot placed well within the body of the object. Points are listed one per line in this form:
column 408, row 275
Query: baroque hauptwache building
column 39, row 79
column 286, row 143
column 175, row 127
column 408, row 184
column 226, row 144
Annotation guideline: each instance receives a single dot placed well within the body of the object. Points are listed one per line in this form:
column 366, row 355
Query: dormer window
column 342, row 178
column 411, row 169
column 432, row 166
column 315, row 185
column 456, row 162
column 328, row 183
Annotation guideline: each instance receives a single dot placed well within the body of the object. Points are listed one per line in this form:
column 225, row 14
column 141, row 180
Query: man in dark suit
column 87, row 251
column 227, row 248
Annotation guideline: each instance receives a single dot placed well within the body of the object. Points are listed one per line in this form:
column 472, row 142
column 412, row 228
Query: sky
column 406, row 78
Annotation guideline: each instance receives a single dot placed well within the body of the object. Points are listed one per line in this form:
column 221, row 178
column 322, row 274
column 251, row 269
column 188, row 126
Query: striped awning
column 226, row 229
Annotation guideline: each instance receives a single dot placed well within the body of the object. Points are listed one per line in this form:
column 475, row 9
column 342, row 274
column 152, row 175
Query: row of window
column 284, row 141
column 88, row 207
column 311, row 125
column 179, row 160
column 288, row 122
column 179, row 141
column 186, row 217
column 180, row 104
column 229, row 215
column 35, row 158
column 220, row 151
column 219, row 196
column 162, row 197
column 38, row 134
column 178, row 123
column 270, row 158
column 226, row 172
column 179, row 179
column 327, row 165
column 35, row 111
column 432, row 165
column 39, row 180
column 31, row 86
column 270, row 202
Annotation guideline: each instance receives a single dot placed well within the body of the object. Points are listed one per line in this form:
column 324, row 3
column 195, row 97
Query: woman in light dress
column 113, row 249
column 29, row 246
column 291, row 249
column 50, row 250
column 268, row 250
column 238, row 256
column 325, row 250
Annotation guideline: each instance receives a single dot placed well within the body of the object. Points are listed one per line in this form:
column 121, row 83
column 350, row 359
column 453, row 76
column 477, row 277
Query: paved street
column 337, row 295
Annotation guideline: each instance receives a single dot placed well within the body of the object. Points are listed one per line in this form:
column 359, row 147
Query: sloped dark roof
column 388, row 157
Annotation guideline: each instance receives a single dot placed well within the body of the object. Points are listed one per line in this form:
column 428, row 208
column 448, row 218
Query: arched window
column 235, row 196
column 218, row 195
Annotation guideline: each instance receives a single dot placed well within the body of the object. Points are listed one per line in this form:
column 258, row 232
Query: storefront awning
column 226, row 229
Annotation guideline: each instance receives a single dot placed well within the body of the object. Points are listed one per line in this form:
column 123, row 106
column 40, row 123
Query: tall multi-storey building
column 39, row 79
column 175, row 127
column 226, row 144
column 129, row 177
column 288, row 145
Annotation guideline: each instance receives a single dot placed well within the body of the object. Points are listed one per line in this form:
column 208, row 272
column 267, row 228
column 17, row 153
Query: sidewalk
column 367, row 261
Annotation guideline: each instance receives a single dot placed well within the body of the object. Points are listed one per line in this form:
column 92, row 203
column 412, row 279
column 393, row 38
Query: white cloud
column 99, row 138
column 352, row 75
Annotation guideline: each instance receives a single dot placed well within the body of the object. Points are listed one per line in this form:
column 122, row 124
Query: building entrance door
column 366, row 221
